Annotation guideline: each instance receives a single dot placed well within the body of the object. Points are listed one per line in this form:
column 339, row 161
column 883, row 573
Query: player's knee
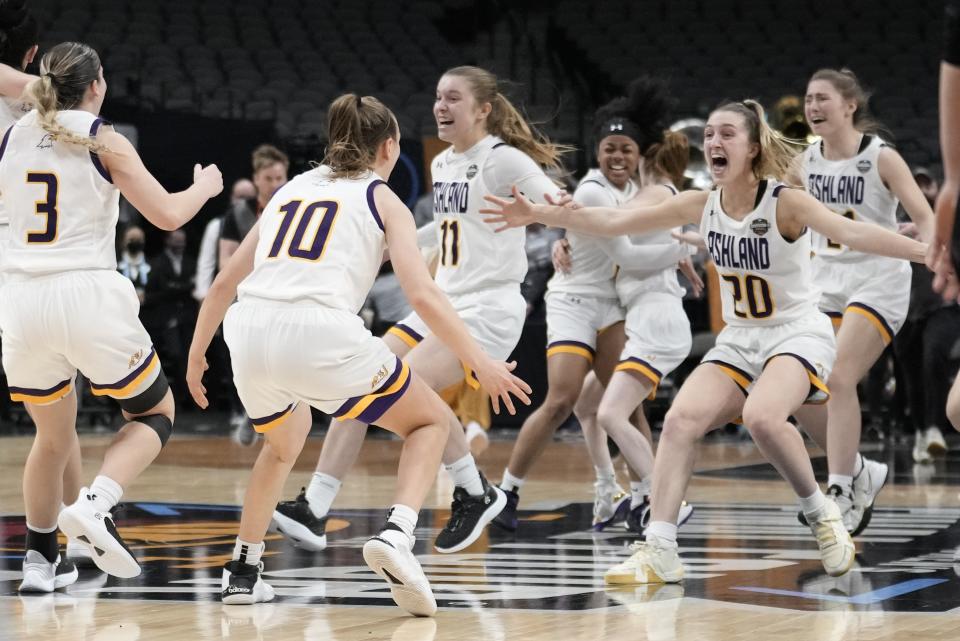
column 762, row 424
column 559, row 405
column 608, row 420
column 681, row 425
column 842, row 382
column 161, row 424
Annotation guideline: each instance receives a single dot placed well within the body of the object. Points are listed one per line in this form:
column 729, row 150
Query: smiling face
column 727, row 147
column 826, row 110
column 618, row 158
column 460, row 118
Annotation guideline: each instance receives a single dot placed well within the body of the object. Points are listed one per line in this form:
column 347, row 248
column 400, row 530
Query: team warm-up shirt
column 765, row 278
column 321, row 241
column 851, row 187
column 472, row 255
column 592, row 270
column 62, row 205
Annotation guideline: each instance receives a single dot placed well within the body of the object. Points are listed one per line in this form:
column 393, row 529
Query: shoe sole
column 647, row 576
column 488, row 515
column 105, row 551
column 937, row 449
column 378, row 556
column 868, row 511
column 841, row 572
column 299, row 534
column 46, row 587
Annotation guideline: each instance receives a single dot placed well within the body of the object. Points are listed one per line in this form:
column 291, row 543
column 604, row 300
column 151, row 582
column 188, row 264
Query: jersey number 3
column 297, row 248
column 46, row 207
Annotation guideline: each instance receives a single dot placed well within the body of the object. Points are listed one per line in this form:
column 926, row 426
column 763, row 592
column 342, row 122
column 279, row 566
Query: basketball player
column 492, row 148
column 583, row 305
column 21, row 33
column 296, row 341
column 855, row 173
column 64, row 307
column 777, row 347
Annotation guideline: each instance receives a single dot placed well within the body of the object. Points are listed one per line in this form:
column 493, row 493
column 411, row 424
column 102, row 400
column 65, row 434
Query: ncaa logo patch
column 760, row 226
column 472, row 171
column 864, row 166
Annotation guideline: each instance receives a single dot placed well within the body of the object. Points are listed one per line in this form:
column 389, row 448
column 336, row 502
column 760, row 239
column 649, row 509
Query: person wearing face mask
column 170, row 309
column 133, row 262
column 855, row 173
column 777, row 347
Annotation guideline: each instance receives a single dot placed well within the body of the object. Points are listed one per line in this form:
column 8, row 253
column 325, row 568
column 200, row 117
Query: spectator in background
column 169, row 309
column 133, row 262
column 270, row 166
column 207, row 260
column 924, row 347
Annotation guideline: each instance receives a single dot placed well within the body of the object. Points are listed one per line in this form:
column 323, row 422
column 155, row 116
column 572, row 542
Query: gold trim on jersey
column 570, row 347
column 42, row 397
column 875, row 318
column 267, row 423
column 638, row 365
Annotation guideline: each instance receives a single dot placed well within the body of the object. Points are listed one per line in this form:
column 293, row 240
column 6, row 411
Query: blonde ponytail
column 671, row 156
column 65, row 73
column 356, row 127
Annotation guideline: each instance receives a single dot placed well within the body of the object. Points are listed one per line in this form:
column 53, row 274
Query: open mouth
column 443, row 122
column 718, row 162
column 816, row 120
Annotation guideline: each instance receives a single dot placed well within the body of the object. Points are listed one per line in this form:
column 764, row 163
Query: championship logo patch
column 864, row 166
column 760, row 226
column 472, row 171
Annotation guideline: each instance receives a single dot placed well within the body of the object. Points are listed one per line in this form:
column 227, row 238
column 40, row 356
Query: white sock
column 465, row 474
column 510, row 483
column 322, row 490
column 42, row 530
column 639, row 490
column 664, row 531
column 248, row 553
column 403, row 517
column 845, row 483
column 812, row 504
column 605, row 474
column 105, row 493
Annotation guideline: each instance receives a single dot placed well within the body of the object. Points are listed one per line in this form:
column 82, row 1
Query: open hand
column 196, row 366
column 495, row 377
column 509, row 214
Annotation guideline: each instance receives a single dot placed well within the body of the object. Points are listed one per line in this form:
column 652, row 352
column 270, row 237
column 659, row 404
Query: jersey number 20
column 297, row 248
column 757, row 292
column 46, row 207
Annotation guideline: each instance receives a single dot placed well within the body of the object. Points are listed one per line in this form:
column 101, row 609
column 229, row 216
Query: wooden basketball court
column 752, row 570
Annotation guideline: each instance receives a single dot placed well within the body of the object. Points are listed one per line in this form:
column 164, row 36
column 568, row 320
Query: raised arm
column 806, row 210
column 597, row 221
column 432, row 304
column 163, row 209
column 896, row 174
column 219, row 298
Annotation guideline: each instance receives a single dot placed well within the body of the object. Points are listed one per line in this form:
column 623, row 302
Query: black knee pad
column 159, row 423
column 148, row 398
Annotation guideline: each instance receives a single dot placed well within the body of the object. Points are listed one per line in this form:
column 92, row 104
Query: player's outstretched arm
column 163, row 209
column 432, row 305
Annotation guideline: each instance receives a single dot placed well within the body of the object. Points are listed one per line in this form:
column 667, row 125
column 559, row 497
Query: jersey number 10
column 296, row 248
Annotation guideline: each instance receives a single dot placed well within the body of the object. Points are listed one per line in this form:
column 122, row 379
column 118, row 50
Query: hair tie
column 52, row 77
column 359, row 101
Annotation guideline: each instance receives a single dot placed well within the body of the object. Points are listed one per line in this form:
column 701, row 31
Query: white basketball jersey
column 321, row 241
column 631, row 284
column 851, row 187
column 765, row 279
column 62, row 205
column 472, row 255
column 11, row 110
column 592, row 271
